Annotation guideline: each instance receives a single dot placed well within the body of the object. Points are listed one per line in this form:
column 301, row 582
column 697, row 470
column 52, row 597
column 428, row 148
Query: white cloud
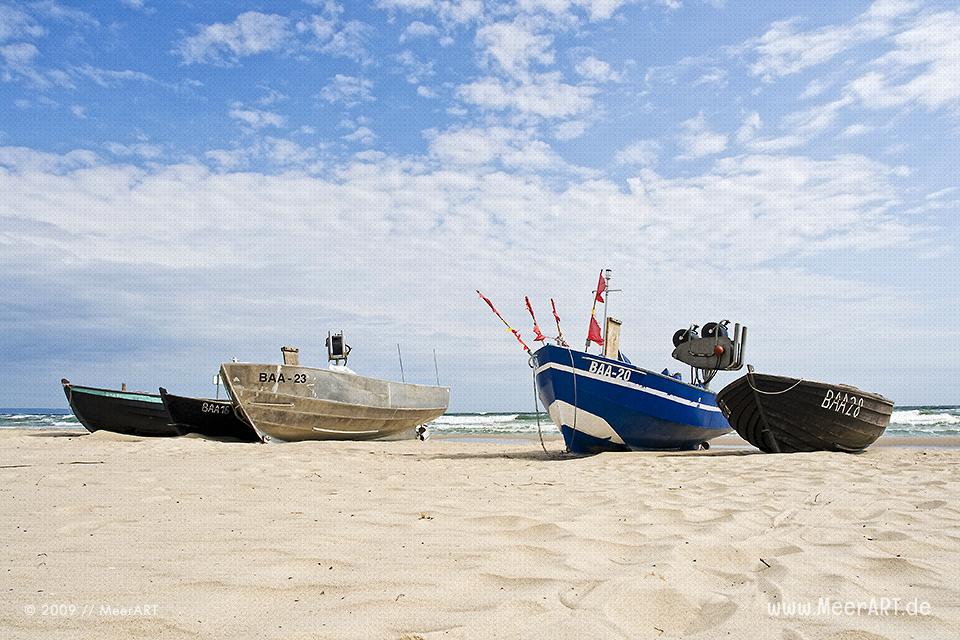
column 440, row 230
column 714, row 77
column 257, row 118
column 698, row 141
column 596, row 10
column 785, row 50
column 348, row 90
column 513, row 47
column 15, row 23
column 417, row 70
column 362, row 135
column 19, row 64
column 110, row 77
column 351, row 41
column 417, row 29
column 139, row 149
column 20, row 54
column 426, row 92
column 922, row 68
column 62, row 13
column 449, row 12
column 747, row 131
column 249, row 34
column 516, row 149
column 856, row 130
column 570, row 130
column 597, row 70
column 545, row 96
column 79, row 111
column 640, row 153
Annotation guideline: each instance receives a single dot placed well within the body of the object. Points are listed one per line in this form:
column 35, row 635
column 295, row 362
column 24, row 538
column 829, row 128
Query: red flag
column 594, row 334
column 537, row 335
column 601, row 287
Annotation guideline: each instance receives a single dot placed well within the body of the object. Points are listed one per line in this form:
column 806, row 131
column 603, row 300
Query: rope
column 774, row 393
column 573, row 372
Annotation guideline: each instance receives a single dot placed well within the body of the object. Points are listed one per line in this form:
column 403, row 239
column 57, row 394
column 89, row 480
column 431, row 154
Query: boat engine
column 710, row 352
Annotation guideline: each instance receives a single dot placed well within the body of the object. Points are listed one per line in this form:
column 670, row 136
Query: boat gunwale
column 119, row 394
column 628, row 365
column 341, row 373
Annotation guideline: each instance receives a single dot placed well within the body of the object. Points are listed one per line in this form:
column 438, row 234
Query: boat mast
column 607, row 274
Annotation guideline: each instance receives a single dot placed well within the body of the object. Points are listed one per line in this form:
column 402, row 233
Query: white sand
column 469, row 540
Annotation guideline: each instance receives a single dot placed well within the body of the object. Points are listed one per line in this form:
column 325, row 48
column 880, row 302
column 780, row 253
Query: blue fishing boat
column 605, row 404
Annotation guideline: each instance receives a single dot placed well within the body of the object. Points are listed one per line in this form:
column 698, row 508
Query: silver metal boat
column 289, row 402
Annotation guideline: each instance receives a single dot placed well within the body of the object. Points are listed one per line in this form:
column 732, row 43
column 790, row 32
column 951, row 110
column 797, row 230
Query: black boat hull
column 777, row 414
column 135, row 414
column 211, row 418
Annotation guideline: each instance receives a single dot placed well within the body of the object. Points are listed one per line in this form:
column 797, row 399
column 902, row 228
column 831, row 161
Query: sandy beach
column 116, row 537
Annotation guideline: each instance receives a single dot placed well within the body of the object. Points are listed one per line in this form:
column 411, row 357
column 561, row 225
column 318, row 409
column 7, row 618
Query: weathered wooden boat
column 288, row 402
column 207, row 417
column 778, row 414
column 129, row 412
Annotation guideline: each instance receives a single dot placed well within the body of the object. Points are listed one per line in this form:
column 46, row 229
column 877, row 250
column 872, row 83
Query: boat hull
column 207, row 417
column 599, row 404
column 778, row 414
column 292, row 403
column 135, row 414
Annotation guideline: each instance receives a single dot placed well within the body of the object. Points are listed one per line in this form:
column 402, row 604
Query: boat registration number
column 216, row 409
column 297, row 378
column 604, row 369
column 843, row 403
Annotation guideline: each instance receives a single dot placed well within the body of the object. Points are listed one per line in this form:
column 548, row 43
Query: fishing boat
column 130, row 412
column 288, row 402
column 778, row 414
column 207, row 417
column 606, row 403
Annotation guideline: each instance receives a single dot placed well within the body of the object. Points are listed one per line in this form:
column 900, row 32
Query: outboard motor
column 713, row 351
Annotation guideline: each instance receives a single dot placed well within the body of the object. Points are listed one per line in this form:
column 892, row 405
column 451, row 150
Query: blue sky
column 186, row 182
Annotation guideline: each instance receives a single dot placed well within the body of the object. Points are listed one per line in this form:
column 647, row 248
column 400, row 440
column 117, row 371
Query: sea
column 929, row 421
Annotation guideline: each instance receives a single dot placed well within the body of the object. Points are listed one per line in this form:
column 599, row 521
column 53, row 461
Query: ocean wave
column 912, row 421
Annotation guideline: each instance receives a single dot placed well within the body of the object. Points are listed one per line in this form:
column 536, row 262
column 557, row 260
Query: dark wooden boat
column 784, row 415
column 211, row 418
column 132, row 413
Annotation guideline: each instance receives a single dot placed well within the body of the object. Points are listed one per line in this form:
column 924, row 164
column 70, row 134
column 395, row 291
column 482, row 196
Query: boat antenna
column 607, row 275
column 402, row 379
column 436, row 369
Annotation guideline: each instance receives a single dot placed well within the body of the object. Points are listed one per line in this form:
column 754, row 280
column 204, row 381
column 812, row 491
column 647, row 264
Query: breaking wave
column 906, row 421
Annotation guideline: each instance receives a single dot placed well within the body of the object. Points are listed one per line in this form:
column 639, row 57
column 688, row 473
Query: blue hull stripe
column 630, row 385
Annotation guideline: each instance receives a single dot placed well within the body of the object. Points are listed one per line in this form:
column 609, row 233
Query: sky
column 182, row 183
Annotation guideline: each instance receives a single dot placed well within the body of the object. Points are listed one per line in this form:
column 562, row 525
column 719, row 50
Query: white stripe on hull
column 629, row 385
